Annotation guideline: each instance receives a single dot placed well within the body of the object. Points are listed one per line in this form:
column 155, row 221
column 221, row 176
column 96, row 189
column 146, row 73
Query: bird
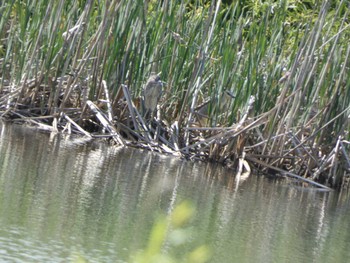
column 152, row 92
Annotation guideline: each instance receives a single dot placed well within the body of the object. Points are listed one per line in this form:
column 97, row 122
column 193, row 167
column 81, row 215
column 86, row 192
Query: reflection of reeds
column 68, row 66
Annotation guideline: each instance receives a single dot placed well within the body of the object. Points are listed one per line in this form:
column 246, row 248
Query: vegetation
column 80, row 66
column 167, row 240
column 172, row 233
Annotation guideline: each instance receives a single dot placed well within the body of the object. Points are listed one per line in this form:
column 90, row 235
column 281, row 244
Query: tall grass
column 62, row 63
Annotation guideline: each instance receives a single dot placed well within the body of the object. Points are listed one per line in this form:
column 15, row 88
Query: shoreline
column 200, row 148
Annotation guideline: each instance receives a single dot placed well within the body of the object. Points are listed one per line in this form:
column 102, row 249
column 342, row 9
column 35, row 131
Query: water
column 64, row 198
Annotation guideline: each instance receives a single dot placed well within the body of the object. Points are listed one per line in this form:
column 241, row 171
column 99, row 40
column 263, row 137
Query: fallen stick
column 288, row 173
column 36, row 123
column 130, row 105
column 76, row 125
column 104, row 121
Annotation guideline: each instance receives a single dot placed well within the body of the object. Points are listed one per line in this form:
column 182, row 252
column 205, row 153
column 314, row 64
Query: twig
column 334, row 163
column 131, row 107
column 174, row 135
column 108, row 101
column 323, row 162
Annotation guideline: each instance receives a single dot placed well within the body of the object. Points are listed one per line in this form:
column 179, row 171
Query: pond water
column 67, row 198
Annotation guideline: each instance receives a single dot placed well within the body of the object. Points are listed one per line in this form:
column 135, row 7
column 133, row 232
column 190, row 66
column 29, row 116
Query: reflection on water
column 61, row 197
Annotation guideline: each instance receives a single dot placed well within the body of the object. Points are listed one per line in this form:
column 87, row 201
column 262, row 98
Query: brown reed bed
column 83, row 69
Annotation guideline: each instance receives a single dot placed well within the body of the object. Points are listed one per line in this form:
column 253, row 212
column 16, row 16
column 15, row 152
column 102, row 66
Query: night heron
column 151, row 94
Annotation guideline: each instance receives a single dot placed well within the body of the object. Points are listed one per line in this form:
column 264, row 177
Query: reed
column 80, row 67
